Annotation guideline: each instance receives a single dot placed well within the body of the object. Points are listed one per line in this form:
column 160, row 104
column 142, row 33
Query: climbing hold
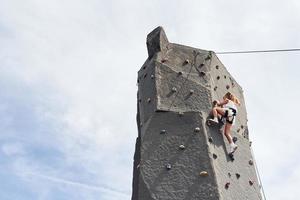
column 229, row 175
column 163, row 131
column 250, row 162
column 237, row 175
column 145, row 75
column 238, row 130
column 231, row 156
column 152, row 76
column 210, row 139
column 215, row 88
column 138, row 81
column 164, row 60
column 218, row 77
column 174, row 89
column 148, row 100
column 242, row 126
column 234, row 139
column 186, row 62
column 180, row 113
column 217, row 66
column 227, row 185
column 251, row 182
column 204, row 173
column 192, row 91
column 227, row 87
column 197, row 129
column 141, row 124
column 215, row 156
column 250, row 143
column 144, row 67
column 202, row 64
column 182, row 147
column 225, row 76
column 202, row 73
column 179, row 73
column 168, row 166
column 140, row 100
column 138, row 166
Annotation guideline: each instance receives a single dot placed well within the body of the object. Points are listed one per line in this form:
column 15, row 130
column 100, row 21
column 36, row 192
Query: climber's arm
column 223, row 102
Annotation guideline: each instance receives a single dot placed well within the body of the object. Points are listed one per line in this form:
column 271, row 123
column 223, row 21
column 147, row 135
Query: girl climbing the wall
column 227, row 110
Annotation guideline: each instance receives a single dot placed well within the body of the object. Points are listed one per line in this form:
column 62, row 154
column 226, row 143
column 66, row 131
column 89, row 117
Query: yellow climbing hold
column 204, row 173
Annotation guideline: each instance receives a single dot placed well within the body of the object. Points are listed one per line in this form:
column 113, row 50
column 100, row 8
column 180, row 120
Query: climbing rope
column 258, row 51
column 258, row 175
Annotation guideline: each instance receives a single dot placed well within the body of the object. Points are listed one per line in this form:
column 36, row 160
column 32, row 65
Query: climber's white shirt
column 230, row 104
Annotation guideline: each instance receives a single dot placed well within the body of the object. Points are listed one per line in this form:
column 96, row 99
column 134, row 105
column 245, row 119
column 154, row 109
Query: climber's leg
column 217, row 111
column 227, row 129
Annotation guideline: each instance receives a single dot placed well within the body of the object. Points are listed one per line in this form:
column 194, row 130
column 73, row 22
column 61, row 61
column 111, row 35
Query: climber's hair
column 232, row 97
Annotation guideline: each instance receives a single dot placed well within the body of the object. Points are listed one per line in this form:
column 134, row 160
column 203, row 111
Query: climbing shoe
column 215, row 120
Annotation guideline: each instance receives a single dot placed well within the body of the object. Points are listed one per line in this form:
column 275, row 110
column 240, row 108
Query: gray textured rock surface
column 177, row 85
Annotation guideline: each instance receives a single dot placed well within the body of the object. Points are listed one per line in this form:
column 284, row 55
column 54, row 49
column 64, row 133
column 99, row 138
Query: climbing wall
column 177, row 156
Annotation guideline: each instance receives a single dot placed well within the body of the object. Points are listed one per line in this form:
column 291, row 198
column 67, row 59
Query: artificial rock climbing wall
column 177, row 156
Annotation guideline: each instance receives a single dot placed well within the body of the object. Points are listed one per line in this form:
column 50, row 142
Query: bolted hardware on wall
column 180, row 113
column 192, row 91
column 168, row 166
column 210, row 139
column 227, row 185
column 163, row 131
column 208, row 57
column 197, row 129
column 174, row 89
column 215, row 156
column 186, row 62
column 250, row 162
column 237, row 175
column 204, row 173
column 182, row 147
column 149, row 100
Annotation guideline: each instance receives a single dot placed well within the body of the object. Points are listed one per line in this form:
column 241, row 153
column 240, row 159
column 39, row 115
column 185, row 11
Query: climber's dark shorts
column 230, row 114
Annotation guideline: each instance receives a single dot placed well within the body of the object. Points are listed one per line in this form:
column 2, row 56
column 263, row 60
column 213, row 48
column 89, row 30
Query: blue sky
column 68, row 74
